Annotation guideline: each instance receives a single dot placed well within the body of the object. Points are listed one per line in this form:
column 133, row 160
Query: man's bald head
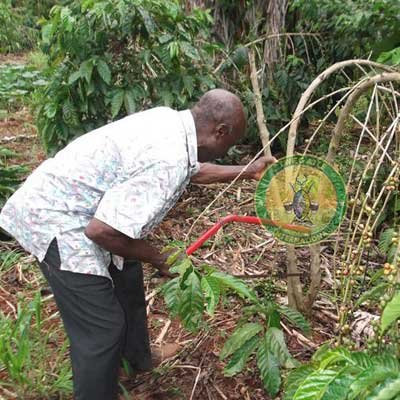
column 220, row 122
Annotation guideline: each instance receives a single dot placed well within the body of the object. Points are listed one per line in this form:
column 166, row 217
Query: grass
column 34, row 360
column 33, row 354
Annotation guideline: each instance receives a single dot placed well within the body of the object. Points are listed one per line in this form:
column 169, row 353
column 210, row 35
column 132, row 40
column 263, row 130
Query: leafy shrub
column 345, row 375
column 264, row 339
column 35, row 9
column 198, row 290
column 115, row 57
column 391, row 57
column 20, row 23
column 192, row 293
column 353, row 28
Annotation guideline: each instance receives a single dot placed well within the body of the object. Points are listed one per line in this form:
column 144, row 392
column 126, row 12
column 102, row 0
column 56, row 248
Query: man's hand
column 258, row 167
column 131, row 249
column 163, row 270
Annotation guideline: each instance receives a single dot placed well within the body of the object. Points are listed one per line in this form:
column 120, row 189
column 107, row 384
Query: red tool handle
column 244, row 219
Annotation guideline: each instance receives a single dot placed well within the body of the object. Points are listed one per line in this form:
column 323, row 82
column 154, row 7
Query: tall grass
column 33, row 355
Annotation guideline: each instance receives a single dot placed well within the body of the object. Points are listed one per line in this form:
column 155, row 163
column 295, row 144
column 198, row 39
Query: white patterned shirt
column 127, row 174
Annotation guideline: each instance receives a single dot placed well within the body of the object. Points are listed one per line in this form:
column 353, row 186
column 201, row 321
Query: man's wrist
column 250, row 173
column 159, row 259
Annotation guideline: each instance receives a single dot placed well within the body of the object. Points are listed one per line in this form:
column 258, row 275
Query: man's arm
column 212, row 173
column 121, row 245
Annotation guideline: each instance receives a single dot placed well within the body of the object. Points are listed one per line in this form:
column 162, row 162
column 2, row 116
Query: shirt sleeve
column 142, row 199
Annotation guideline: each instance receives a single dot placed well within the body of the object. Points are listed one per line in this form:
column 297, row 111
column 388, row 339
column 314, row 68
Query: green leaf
column 188, row 82
column 173, row 256
column 104, row 71
column 192, row 303
column 295, row 378
column 172, row 294
column 316, row 385
column 295, row 318
column 237, row 285
column 321, row 351
column 372, row 294
column 389, row 390
column 277, row 346
column 189, row 50
column 165, row 38
column 129, row 102
column 50, row 110
column 7, row 153
column 240, row 357
column 269, row 368
column 335, row 356
column 86, row 70
column 180, row 266
column 116, row 102
column 385, row 240
column 369, row 379
column 239, row 337
column 74, row 77
column 274, row 319
column 391, row 313
column 147, row 19
column 212, row 291
column 70, row 116
column 362, row 359
column 339, row 388
column 387, row 360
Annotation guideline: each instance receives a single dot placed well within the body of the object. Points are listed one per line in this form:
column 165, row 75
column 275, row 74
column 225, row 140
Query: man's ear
column 223, row 130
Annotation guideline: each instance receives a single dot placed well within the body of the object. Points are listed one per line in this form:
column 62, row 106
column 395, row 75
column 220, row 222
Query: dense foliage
column 114, row 57
column 14, row 34
column 199, row 290
column 342, row 374
column 351, row 29
column 20, row 23
column 321, row 32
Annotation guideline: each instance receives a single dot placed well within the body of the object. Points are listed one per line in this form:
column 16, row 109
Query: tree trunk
column 276, row 14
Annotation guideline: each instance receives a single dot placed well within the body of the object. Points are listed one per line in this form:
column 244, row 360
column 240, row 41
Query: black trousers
column 103, row 322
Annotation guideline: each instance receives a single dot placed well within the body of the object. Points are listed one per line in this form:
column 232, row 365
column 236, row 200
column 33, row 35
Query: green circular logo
column 301, row 200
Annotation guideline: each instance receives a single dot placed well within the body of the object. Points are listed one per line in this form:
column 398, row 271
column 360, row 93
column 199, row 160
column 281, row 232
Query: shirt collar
column 191, row 138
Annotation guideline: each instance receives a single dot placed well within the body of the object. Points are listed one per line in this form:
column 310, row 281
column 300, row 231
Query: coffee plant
column 198, row 290
column 111, row 58
column 339, row 373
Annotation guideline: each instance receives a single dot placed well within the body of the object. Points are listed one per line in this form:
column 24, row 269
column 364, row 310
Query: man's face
column 219, row 140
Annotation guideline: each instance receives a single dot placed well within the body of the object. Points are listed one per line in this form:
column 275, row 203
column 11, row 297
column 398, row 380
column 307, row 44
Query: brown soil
column 18, row 133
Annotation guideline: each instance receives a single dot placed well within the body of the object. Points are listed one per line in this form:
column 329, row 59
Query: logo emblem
column 304, row 191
